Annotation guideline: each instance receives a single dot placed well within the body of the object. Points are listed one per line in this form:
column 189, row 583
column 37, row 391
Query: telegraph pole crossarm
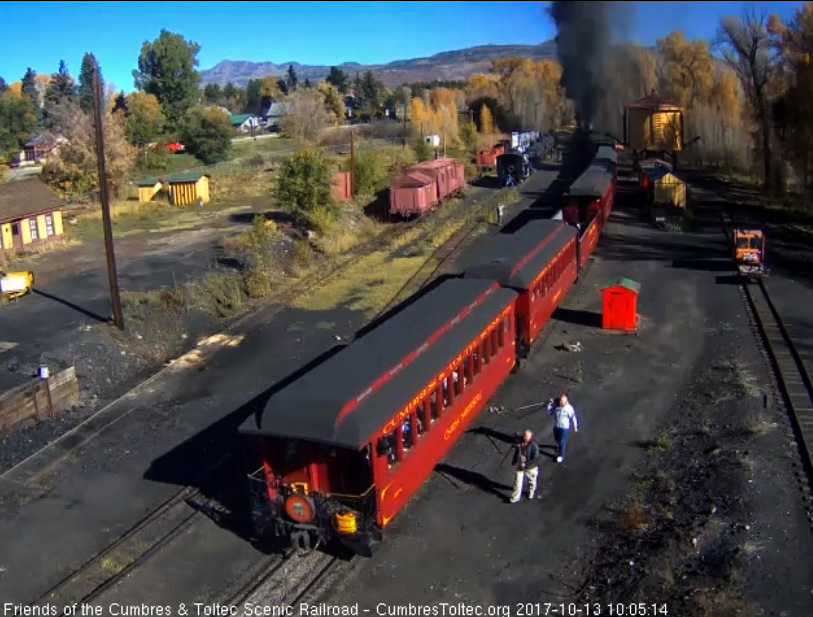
column 107, row 224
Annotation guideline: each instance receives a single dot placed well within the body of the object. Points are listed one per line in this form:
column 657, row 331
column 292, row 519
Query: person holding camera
column 564, row 417
column 526, row 463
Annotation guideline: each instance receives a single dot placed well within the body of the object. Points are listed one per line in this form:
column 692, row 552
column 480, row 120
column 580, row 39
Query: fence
column 38, row 399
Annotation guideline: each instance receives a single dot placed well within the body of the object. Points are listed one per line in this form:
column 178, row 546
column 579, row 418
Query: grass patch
column 366, row 286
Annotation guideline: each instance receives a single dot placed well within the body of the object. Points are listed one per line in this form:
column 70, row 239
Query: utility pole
column 444, row 137
column 118, row 318
column 352, row 164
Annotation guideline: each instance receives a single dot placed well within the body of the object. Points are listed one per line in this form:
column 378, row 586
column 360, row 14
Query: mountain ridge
column 454, row 64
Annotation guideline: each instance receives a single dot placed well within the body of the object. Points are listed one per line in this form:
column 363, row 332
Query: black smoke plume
column 583, row 37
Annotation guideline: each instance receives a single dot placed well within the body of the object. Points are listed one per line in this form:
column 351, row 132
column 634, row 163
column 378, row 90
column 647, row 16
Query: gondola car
column 539, row 261
column 424, row 186
column 345, row 446
column 512, row 167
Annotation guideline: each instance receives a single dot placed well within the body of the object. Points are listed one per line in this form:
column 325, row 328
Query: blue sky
column 306, row 32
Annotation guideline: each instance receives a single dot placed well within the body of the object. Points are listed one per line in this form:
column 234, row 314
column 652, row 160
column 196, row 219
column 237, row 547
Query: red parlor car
column 346, row 445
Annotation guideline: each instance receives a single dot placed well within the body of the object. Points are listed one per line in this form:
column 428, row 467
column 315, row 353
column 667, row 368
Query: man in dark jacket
column 526, row 464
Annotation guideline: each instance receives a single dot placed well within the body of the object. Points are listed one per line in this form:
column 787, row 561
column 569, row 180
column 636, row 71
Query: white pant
column 531, row 475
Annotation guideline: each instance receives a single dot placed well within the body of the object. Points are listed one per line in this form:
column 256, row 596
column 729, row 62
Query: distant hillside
column 458, row 64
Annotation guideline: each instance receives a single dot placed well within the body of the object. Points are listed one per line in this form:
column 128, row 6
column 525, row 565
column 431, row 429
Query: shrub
column 367, row 175
column 423, row 151
column 321, row 219
column 207, row 134
column 303, row 185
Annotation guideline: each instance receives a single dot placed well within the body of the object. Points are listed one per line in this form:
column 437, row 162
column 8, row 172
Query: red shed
column 620, row 305
column 340, row 187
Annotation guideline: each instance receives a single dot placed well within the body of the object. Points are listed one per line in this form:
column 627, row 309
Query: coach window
column 408, row 430
column 387, row 447
column 468, row 366
column 434, row 410
column 423, row 416
column 484, row 349
column 458, row 384
column 494, row 344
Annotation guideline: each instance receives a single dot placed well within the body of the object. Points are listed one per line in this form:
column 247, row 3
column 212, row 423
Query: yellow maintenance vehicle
column 748, row 251
column 16, row 284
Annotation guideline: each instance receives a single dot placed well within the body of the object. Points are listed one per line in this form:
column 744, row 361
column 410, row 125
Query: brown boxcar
column 413, row 193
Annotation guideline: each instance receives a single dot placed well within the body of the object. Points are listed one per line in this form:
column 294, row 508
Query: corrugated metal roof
column 240, row 118
column 622, row 281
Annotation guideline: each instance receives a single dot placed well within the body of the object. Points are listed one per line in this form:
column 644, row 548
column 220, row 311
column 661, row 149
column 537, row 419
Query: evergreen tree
column 167, row 70
column 291, row 79
column 3, row 85
column 86, row 83
column 337, row 77
column 307, row 84
column 60, row 93
column 29, row 87
column 120, row 104
column 212, row 93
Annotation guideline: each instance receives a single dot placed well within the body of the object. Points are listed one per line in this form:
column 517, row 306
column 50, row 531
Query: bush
column 207, row 134
column 303, row 185
column 149, row 161
column 367, row 175
column 256, row 161
column 468, row 135
column 258, row 283
column 423, row 151
column 321, row 219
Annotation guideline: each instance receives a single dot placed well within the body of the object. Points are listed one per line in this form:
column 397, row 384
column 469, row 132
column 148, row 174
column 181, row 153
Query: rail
column 118, row 559
column 439, row 257
column 787, row 364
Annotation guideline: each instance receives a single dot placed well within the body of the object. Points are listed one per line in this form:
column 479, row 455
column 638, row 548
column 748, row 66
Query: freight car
column 425, row 186
column 345, row 446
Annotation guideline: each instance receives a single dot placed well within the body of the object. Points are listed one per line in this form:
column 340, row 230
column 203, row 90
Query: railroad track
column 792, row 377
column 434, row 263
column 146, row 538
column 288, row 581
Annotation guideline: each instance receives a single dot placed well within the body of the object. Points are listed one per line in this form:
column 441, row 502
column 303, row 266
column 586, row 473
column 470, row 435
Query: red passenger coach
column 346, row 445
column 539, row 261
column 590, row 193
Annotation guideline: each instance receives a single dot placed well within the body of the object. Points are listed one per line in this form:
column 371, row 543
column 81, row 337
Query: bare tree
column 305, row 115
column 747, row 50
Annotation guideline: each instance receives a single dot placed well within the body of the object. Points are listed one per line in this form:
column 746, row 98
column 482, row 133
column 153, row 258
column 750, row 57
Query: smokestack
column 583, row 36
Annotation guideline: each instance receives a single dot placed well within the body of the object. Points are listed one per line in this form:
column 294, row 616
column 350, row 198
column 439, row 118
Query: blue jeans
column 560, row 435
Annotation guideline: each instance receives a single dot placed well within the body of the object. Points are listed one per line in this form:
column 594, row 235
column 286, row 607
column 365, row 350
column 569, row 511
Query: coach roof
column 347, row 398
column 592, row 183
column 516, row 259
